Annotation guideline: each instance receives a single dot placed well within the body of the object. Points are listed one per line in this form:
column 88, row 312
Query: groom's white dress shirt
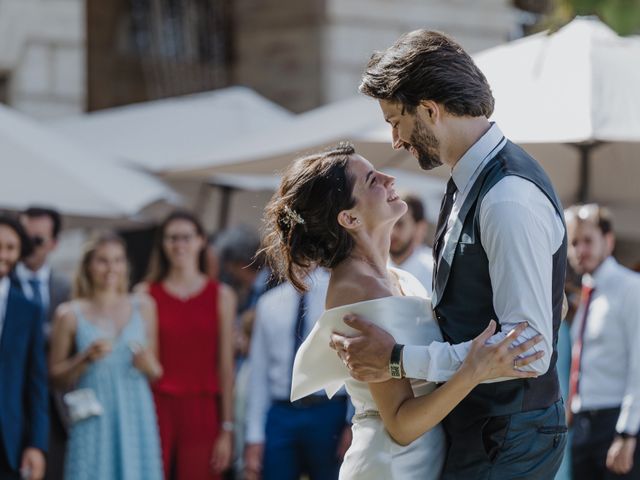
column 610, row 361
column 520, row 231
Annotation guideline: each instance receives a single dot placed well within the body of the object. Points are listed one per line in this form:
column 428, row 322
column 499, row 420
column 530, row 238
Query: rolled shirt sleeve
column 259, row 398
column 629, row 418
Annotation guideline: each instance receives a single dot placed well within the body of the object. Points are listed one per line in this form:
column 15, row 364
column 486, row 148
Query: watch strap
column 395, row 362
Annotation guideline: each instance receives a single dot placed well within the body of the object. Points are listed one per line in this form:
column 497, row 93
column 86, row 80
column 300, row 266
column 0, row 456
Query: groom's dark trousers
column 525, row 445
column 504, row 430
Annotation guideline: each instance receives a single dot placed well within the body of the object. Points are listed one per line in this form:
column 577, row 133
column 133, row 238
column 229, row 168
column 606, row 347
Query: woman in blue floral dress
column 103, row 347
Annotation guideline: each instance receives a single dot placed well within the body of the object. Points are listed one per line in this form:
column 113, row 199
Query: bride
column 334, row 210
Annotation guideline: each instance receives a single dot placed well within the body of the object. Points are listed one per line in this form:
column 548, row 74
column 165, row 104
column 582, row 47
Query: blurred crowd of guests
column 186, row 375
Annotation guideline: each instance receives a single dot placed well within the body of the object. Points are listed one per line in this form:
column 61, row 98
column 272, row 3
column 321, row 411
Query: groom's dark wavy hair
column 428, row 65
column 301, row 221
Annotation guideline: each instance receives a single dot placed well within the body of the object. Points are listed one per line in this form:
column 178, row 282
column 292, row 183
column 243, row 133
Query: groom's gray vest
column 463, row 296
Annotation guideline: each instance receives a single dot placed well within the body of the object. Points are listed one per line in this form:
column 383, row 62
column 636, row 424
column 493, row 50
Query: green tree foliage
column 623, row 16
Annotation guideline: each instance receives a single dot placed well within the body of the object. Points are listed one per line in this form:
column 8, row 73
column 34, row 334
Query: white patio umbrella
column 576, row 85
column 162, row 134
column 41, row 167
column 572, row 99
column 271, row 149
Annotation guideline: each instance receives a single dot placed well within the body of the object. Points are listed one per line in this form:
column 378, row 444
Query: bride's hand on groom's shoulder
column 501, row 360
column 367, row 353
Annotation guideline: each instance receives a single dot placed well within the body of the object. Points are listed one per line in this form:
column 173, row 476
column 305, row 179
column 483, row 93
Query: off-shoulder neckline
column 399, row 276
column 388, row 297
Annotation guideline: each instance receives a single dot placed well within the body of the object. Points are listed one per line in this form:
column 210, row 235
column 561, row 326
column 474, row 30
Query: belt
column 311, row 401
column 600, row 412
column 366, row 414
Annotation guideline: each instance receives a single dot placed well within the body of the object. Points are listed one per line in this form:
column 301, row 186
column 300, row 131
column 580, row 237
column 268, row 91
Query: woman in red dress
column 195, row 317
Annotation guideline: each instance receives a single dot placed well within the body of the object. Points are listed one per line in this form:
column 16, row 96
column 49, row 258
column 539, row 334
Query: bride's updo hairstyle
column 301, row 220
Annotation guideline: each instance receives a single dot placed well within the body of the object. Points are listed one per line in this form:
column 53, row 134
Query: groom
column 499, row 252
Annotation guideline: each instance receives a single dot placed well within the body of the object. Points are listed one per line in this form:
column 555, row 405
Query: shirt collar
column 473, row 158
column 599, row 276
column 25, row 274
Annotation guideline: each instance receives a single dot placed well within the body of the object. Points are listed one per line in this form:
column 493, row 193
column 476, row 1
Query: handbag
column 82, row 404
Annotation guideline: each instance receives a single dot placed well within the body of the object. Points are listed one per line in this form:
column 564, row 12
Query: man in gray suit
column 44, row 286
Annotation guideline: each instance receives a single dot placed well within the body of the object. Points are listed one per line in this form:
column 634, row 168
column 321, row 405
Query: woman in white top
column 335, row 210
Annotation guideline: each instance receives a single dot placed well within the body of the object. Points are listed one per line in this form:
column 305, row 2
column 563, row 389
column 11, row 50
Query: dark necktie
column 37, row 294
column 576, row 351
column 298, row 332
column 443, row 218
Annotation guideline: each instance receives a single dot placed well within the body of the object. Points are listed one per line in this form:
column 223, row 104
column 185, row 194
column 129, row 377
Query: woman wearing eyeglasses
column 195, row 316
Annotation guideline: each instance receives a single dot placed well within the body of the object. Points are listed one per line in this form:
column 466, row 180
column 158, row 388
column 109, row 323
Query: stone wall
column 43, row 56
column 278, row 50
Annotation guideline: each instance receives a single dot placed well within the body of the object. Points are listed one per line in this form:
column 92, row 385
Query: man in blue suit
column 24, row 402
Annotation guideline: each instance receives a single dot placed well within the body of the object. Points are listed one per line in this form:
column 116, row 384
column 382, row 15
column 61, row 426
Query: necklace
column 387, row 276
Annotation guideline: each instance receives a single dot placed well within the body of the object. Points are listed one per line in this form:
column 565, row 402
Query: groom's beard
column 426, row 145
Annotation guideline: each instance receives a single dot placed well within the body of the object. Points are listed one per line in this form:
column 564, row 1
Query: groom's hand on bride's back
column 367, row 353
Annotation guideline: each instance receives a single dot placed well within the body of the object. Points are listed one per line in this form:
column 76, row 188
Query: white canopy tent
column 272, row 149
column 42, row 167
column 572, row 99
column 575, row 85
column 160, row 135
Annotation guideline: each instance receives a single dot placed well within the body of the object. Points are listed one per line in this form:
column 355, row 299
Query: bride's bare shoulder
column 350, row 285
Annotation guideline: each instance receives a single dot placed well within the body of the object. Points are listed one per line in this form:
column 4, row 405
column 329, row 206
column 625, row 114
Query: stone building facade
column 42, row 59
column 61, row 57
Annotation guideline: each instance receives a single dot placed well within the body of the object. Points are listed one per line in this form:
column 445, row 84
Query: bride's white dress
column 373, row 455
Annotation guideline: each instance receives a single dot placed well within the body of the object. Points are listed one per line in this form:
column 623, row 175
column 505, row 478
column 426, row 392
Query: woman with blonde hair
column 104, row 346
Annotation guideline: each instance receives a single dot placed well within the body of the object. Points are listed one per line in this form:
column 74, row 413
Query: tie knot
column 451, row 187
column 34, row 282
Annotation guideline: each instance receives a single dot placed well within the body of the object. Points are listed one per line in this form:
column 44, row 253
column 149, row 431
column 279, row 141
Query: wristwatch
column 395, row 362
column 625, row 435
